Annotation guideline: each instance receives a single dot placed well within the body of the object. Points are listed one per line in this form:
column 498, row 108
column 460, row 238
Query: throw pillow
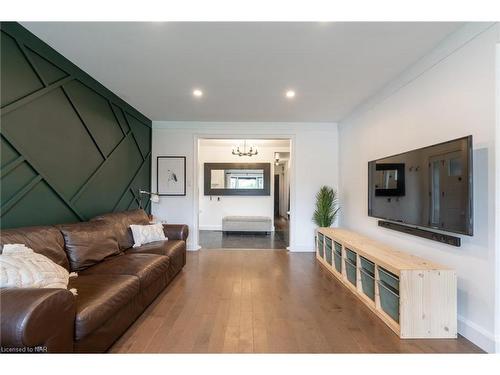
column 147, row 233
column 21, row 267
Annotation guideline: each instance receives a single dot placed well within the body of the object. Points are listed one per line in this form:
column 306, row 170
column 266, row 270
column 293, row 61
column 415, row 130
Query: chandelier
column 251, row 151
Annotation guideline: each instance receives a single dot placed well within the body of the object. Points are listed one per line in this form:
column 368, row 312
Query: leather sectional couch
column 115, row 283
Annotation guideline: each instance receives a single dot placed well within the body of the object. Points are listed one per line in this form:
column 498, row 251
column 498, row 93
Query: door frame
column 197, row 169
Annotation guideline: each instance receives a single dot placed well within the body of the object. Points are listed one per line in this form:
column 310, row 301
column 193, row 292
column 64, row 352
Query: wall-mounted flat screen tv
column 428, row 187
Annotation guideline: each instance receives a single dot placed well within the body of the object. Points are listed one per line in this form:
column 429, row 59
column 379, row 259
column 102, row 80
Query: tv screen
column 428, row 187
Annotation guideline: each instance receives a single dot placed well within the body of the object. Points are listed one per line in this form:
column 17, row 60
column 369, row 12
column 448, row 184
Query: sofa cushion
column 174, row 249
column 121, row 222
column 43, row 240
column 147, row 267
column 170, row 248
column 99, row 298
column 89, row 243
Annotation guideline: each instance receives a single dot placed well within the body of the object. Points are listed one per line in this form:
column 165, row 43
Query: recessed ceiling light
column 197, row 93
column 290, row 94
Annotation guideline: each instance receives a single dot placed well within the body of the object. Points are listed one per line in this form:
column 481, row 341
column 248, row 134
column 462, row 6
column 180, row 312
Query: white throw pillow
column 144, row 234
column 21, row 267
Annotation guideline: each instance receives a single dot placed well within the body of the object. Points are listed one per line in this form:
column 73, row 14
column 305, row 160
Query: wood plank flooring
column 264, row 301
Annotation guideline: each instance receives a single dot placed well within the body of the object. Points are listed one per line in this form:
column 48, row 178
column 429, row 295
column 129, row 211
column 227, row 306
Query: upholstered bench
column 247, row 224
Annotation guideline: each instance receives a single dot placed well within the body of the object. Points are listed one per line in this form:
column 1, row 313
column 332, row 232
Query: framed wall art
column 171, row 175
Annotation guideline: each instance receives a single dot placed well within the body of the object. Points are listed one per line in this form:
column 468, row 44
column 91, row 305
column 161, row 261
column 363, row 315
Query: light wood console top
column 392, row 259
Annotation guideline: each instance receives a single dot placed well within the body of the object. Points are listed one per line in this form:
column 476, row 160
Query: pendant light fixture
column 251, row 151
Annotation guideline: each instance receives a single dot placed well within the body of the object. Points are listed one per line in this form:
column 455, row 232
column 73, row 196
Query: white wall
column 448, row 94
column 314, row 148
column 213, row 209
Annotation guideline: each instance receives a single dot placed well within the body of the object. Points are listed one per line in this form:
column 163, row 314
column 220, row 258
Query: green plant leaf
column 327, row 207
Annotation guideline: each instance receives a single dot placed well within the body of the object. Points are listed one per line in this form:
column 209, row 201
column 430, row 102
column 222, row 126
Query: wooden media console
column 416, row 298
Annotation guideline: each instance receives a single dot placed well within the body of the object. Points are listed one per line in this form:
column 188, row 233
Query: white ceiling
column 243, row 68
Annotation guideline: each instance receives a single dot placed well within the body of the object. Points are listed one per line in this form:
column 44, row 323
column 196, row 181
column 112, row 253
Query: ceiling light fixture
column 197, row 93
column 290, row 94
column 251, row 151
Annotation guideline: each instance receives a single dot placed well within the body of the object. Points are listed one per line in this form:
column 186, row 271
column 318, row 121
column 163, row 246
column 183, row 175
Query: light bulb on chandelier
column 251, row 151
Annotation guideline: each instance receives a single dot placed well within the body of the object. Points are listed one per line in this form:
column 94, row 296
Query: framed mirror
column 237, row 179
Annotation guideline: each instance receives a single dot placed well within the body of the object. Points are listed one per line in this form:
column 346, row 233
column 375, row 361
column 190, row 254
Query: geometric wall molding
column 70, row 148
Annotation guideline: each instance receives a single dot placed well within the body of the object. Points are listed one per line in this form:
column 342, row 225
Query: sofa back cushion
column 121, row 222
column 88, row 243
column 44, row 240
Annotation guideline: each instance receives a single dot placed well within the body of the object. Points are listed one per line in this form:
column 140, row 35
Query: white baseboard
column 478, row 335
column 210, row 227
column 301, row 248
column 193, row 247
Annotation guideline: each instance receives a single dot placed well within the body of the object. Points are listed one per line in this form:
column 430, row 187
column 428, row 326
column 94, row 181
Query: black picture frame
column 182, row 160
column 266, row 167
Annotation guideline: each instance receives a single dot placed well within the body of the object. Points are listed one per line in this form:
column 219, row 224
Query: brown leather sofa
column 115, row 283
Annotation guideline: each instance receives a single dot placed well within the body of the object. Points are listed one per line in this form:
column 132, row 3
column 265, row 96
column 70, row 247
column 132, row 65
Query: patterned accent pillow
column 21, row 267
column 144, row 234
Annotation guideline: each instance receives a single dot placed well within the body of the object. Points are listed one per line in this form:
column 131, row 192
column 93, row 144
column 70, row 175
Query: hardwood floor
column 264, row 302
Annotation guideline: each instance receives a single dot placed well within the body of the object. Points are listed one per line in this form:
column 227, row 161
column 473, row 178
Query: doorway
column 217, row 207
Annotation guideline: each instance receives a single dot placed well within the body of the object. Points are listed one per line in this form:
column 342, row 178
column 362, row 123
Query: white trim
column 212, row 134
column 210, row 227
column 193, row 247
column 209, row 127
column 477, row 334
column 196, row 198
column 447, row 47
column 301, row 248
column 292, row 220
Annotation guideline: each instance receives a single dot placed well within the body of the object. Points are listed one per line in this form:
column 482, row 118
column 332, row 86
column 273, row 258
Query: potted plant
column 327, row 207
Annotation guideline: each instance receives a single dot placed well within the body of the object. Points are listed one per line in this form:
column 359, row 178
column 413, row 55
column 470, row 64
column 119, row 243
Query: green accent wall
column 70, row 148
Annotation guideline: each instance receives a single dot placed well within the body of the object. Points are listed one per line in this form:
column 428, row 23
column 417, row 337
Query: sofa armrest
column 176, row 231
column 37, row 320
